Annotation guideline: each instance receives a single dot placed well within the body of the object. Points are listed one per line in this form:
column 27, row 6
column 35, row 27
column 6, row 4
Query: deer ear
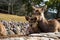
column 34, row 8
column 27, row 18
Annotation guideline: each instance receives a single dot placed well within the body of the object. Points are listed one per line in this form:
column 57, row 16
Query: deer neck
column 43, row 18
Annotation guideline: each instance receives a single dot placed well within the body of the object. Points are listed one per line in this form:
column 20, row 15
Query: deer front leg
column 56, row 30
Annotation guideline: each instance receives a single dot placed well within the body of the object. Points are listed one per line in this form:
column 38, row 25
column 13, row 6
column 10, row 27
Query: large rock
column 38, row 36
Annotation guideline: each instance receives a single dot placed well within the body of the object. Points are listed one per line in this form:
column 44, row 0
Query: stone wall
column 36, row 36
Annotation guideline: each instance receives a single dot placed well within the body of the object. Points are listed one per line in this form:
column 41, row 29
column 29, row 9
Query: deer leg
column 56, row 30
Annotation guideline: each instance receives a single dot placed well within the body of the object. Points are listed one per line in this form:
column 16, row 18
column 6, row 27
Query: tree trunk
column 9, row 8
column 12, row 9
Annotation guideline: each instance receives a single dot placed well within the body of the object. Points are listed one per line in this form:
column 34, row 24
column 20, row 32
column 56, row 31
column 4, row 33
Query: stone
column 10, row 32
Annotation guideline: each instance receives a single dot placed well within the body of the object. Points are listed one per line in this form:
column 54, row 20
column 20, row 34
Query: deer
column 33, row 25
column 3, row 31
column 44, row 24
column 58, row 19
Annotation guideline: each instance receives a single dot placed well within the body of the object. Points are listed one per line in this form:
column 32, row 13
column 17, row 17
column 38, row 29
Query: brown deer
column 33, row 25
column 3, row 31
column 44, row 24
column 58, row 19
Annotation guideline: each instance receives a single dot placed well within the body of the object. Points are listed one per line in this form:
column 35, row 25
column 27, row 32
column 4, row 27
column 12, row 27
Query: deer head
column 41, row 12
column 32, row 23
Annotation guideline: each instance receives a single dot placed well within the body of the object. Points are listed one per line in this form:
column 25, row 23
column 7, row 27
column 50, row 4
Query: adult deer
column 46, row 25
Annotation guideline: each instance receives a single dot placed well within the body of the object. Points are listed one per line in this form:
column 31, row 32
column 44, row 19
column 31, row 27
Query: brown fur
column 33, row 25
column 3, row 31
column 51, row 26
column 58, row 19
column 45, row 25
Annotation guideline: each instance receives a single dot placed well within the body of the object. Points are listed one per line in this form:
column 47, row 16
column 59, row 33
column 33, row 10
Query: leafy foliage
column 24, row 7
